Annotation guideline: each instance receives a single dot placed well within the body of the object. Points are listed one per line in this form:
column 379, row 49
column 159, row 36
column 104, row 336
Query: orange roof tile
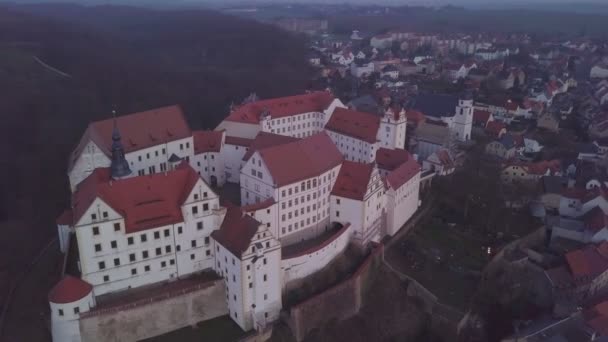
column 69, row 289
column 236, row 231
column 139, row 130
column 207, row 141
column 352, row 180
column 144, row 202
column 302, row 159
column 359, row 125
column 282, row 107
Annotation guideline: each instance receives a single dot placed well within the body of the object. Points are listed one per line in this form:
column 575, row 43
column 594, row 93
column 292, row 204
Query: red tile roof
column 238, row 141
column 595, row 220
column 597, row 318
column 510, row 105
column 390, row 159
column 138, row 130
column 445, row 158
column 395, row 179
column 207, row 141
column 236, row 232
column 144, row 202
column 481, row 117
column 66, row 218
column 69, row 289
column 352, row 180
column 495, row 128
column 545, row 166
column 282, row 107
column 589, row 261
column 302, row 159
column 264, row 140
column 359, row 125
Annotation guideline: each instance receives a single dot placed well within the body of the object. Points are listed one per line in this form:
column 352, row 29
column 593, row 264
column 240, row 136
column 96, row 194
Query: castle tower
column 463, row 120
column 69, row 298
column 393, row 126
column 119, row 167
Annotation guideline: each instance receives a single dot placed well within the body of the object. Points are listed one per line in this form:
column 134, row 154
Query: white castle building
column 145, row 211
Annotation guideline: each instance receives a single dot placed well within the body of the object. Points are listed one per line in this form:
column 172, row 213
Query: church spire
column 120, row 166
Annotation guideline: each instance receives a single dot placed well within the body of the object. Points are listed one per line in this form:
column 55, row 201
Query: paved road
column 27, row 314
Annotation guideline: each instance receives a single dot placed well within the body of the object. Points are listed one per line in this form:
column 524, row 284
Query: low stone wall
column 151, row 318
column 338, row 302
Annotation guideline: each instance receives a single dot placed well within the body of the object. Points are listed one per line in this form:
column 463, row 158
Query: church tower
column 120, row 166
column 393, row 126
column 463, row 120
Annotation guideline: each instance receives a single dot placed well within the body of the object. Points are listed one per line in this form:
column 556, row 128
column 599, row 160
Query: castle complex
column 146, row 210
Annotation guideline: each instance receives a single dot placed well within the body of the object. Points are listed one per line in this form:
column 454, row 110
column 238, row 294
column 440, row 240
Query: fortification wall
column 338, row 302
column 305, row 263
column 151, row 318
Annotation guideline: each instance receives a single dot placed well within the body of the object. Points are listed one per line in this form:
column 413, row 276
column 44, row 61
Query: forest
column 63, row 66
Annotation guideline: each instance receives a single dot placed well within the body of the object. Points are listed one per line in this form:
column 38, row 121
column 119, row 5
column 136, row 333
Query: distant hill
column 124, row 57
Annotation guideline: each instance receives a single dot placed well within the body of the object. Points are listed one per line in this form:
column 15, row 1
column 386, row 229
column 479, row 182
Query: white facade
column 302, row 207
column 113, row 260
column 142, row 162
column 402, row 203
column 253, row 280
column 393, row 129
column 210, row 166
column 354, row 149
column 232, row 156
column 65, row 318
column 365, row 216
column 463, row 120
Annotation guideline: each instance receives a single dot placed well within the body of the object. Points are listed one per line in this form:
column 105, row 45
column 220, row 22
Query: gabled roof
column 237, row 231
column 589, row 261
column 481, row 117
column 352, row 180
column 595, row 220
column 445, row 158
column 302, row 159
column 401, row 175
column 66, row 218
column 390, row 159
column 264, row 140
column 139, row 130
column 359, row 125
column 281, row 107
column 436, row 105
column 69, row 289
column 207, row 141
column 144, row 202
